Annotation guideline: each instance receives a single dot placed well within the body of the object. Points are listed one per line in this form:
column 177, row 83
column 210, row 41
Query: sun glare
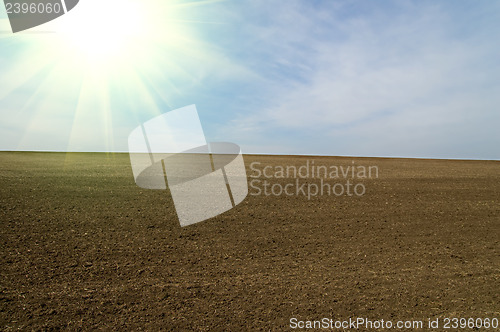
column 103, row 31
column 105, row 51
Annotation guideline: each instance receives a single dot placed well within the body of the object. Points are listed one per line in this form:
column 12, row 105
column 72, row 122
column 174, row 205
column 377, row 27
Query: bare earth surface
column 83, row 247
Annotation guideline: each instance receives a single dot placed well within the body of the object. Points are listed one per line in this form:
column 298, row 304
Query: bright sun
column 107, row 52
column 104, row 31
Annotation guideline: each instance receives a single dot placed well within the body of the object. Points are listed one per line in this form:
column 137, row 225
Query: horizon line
column 269, row 154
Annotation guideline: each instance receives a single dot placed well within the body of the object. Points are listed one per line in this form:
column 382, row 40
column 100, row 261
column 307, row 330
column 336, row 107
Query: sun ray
column 198, row 3
column 118, row 56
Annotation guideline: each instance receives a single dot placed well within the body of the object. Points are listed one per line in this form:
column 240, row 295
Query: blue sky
column 353, row 78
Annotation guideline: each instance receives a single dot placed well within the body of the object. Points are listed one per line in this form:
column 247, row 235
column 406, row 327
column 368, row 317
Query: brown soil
column 83, row 247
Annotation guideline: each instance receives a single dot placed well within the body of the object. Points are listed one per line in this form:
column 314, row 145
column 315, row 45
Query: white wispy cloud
column 390, row 78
